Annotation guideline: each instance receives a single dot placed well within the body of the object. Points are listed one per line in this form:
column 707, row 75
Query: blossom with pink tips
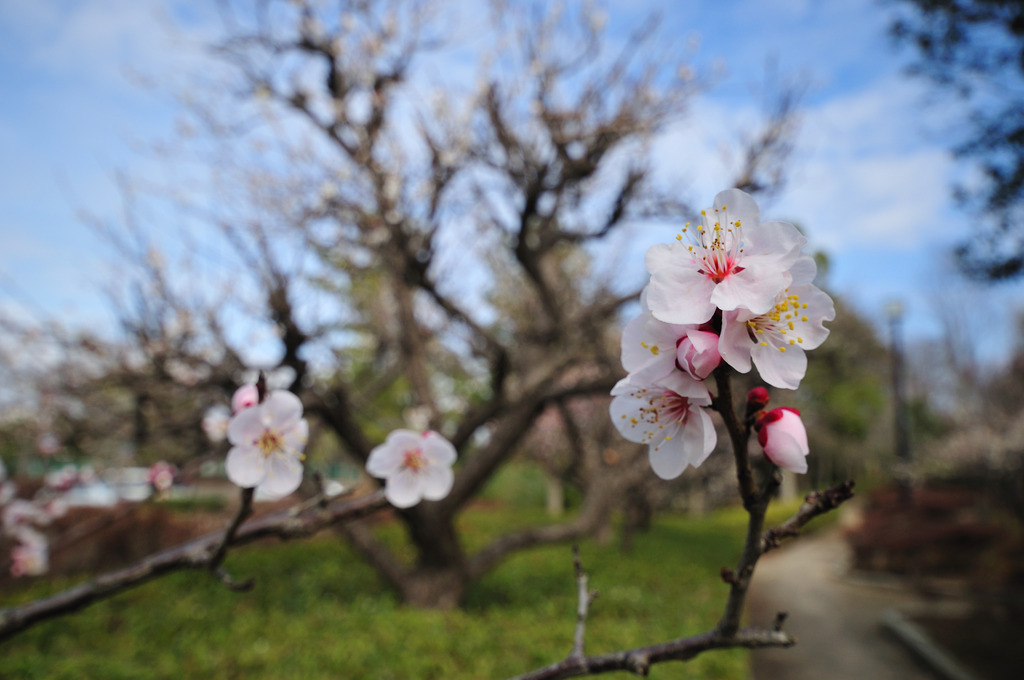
column 730, row 260
column 267, row 442
column 782, row 435
column 652, row 349
column 697, row 353
column 246, row 396
column 668, row 417
column 416, row 465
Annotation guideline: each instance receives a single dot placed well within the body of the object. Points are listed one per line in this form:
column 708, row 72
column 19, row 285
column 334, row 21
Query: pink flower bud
column 783, row 437
column 697, row 354
column 245, row 397
column 757, row 399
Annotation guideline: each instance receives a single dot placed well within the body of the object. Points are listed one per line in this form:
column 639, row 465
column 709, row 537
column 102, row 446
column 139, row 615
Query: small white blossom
column 416, row 466
column 268, row 440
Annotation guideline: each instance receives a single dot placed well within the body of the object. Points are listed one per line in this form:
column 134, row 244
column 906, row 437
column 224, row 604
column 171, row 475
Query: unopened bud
column 757, row 399
column 245, row 397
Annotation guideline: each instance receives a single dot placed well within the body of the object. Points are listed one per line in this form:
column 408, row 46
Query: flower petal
column 403, row 489
column 245, row 465
column 784, row 450
column 780, row 369
column 689, row 444
column 734, row 344
column 678, row 293
column 295, row 439
column 284, row 475
column 438, row 450
column 804, row 270
column 245, row 427
column 281, row 410
column 669, row 457
column 436, row 481
column 738, row 206
column 387, row 458
column 820, row 308
column 754, row 288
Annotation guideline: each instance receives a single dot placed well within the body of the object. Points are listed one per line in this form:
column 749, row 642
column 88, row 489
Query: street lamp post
column 901, row 425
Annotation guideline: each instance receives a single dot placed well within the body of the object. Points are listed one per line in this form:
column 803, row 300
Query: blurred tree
column 975, row 49
column 419, row 250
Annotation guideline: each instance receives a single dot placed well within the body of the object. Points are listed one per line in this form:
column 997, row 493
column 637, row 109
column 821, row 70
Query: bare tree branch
column 815, row 503
column 196, row 554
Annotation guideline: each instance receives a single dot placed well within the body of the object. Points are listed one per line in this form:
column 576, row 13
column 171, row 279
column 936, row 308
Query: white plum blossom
column 416, row 465
column 729, row 260
column 782, row 435
column 668, row 416
column 267, row 442
column 776, row 340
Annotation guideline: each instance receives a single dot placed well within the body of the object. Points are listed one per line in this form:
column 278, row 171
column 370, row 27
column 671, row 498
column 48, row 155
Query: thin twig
column 640, row 659
column 815, row 503
column 244, row 511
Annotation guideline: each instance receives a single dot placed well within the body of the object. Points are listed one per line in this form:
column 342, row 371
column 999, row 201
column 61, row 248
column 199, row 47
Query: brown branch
column 815, row 503
column 196, row 554
column 639, row 660
column 738, row 435
column 739, row 581
column 754, row 501
column 244, row 511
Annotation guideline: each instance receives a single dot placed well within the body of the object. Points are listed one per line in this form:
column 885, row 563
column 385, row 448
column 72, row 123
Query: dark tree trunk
column 440, row 577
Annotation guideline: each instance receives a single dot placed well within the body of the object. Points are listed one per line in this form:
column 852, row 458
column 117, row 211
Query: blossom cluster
column 731, row 289
column 268, row 437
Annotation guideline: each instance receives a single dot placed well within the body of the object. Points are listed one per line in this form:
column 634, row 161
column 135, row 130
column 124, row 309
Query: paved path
column 836, row 622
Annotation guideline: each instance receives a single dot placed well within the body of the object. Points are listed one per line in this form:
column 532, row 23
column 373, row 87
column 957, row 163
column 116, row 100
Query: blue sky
column 869, row 179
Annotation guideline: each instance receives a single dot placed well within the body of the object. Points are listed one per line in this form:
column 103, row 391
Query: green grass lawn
column 318, row 612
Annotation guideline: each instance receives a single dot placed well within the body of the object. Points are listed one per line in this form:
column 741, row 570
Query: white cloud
column 97, row 39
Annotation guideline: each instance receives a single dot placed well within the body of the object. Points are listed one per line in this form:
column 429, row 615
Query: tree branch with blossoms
column 737, row 295
column 731, row 294
column 200, row 553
